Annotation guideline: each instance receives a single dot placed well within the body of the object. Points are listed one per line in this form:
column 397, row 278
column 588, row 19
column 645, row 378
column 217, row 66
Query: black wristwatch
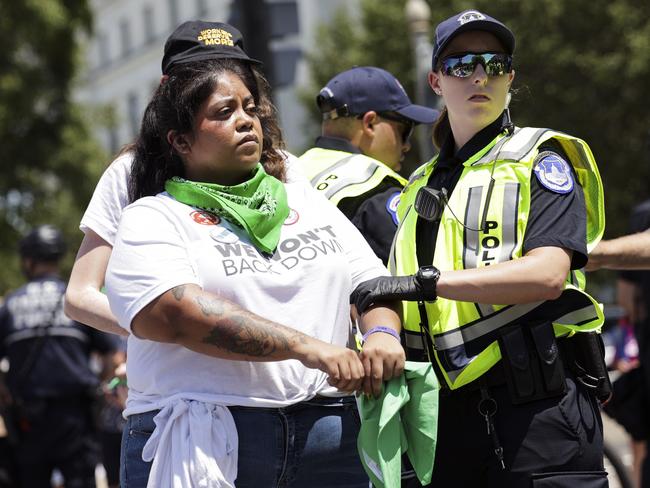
column 427, row 277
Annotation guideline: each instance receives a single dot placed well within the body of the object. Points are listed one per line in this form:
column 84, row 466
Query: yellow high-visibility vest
column 464, row 334
column 340, row 174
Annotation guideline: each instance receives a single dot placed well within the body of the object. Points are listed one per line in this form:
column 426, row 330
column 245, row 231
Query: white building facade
column 124, row 53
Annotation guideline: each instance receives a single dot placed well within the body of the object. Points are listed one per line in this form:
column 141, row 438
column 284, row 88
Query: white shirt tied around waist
column 194, row 444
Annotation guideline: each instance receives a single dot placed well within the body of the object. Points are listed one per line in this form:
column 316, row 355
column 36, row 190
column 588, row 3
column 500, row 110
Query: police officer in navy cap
column 493, row 234
column 50, row 385
column 368, row 120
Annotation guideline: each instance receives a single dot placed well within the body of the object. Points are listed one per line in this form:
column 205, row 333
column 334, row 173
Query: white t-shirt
column 306, row 285
column 109, row 199
column 111, row 195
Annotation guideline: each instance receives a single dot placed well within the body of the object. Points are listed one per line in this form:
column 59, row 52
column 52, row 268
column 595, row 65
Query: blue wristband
column 381, row 328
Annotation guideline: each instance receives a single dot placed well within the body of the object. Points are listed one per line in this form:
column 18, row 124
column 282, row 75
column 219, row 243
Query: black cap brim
column 419, row 114
column 500, row 31
column 203, row 56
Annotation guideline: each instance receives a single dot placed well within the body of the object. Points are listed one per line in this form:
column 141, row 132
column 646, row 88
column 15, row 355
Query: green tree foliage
column 582, row 67
column 49, row 159
column 378, row 38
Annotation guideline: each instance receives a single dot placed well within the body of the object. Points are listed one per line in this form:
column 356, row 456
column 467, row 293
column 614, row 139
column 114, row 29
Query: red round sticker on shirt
column 205, row 218
column 292, row 218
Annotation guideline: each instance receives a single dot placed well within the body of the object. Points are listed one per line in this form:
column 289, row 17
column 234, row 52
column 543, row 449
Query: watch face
column 428, row 272
column 427, row 277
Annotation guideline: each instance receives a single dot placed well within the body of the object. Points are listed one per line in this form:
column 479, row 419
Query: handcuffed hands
column 383, row 359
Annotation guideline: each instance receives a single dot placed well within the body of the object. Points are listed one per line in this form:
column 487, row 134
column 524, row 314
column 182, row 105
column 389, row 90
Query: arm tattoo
column 210, row 307
column 240, row 332
column 178, row 292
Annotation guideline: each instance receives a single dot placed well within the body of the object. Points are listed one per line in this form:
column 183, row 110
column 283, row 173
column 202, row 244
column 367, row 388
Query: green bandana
column 258, row 205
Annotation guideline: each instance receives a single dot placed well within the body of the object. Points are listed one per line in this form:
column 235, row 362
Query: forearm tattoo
column 178, row 292
column 241, row 332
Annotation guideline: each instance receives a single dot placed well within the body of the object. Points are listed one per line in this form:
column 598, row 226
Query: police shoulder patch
column 553, row 172
column 391, row 206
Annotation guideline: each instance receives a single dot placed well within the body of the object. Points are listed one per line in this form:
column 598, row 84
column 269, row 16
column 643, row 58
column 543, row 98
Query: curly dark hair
column 174, row 106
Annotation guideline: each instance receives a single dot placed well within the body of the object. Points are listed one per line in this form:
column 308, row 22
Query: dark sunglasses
column 463, row 65
column 409, row 125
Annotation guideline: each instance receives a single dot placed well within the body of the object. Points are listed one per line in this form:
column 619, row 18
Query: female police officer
column 505, row 214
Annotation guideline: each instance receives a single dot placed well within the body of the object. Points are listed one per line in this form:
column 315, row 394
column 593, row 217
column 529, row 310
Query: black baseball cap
column 197, row 40
column 470, row 20
column 43, row 242
column 365, row 88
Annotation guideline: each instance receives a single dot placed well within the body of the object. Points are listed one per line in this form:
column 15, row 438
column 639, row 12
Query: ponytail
column 441, row 129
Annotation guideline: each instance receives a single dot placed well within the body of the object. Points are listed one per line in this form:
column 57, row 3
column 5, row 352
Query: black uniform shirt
column 555, row 219
column 373, row 213
column 58, row 363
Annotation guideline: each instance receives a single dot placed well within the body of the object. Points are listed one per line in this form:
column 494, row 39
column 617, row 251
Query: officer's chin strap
column 487, row 407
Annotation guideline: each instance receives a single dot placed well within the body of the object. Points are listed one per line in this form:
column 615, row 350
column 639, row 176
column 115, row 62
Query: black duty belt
column 497, row 374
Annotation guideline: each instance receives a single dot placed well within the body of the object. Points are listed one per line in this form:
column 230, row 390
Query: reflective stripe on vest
column 508, row 240
column 342, row 175
column 464, row 334
column 314, row 180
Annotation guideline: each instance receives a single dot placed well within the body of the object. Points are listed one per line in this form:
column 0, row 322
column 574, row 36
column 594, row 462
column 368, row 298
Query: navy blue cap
column 366, row 88
column 470, row 20
column 197, row 40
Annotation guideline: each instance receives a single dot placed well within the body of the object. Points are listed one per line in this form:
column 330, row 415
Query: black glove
column 420, row 286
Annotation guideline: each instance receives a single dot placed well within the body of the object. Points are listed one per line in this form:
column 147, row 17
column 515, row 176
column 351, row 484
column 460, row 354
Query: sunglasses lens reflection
column 494, row 64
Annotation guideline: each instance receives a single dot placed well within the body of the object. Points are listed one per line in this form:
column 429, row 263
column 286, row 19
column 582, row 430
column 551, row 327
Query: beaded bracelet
column 381, row 328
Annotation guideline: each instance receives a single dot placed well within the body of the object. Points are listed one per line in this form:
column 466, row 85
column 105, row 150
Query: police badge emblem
column 554, row 173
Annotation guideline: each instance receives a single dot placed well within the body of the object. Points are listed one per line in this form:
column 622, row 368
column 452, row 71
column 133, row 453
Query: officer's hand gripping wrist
column 418, row 287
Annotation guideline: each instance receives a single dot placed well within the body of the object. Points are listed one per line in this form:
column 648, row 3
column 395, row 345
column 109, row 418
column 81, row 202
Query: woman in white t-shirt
column 235, row 287
column 84, row 301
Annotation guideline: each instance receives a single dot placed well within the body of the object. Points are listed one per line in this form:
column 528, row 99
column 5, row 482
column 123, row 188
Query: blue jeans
column 311, row 444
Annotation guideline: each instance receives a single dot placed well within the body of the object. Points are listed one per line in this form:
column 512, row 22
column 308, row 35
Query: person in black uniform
column 50, row 382
column 367, row 114
column 492, row 233
column 638, row 284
